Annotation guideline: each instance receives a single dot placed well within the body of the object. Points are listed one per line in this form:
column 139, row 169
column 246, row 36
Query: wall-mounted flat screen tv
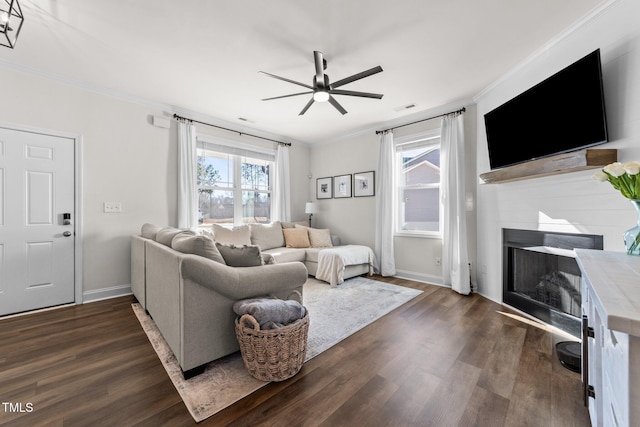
column 563, row 113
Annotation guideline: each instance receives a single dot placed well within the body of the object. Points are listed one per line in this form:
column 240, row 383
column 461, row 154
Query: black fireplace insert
column 541, row 276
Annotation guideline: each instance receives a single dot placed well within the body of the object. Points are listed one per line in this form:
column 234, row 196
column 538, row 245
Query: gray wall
column 353, row 219
column 124, row 159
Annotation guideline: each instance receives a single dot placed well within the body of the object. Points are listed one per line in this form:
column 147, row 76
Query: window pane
column 255, row 174
column 421, row 209
column 215, row 169
column 256, row 207
column 215, row 206
column 420, row 165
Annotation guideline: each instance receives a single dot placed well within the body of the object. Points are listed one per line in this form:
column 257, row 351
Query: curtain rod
column 462, row 110
column 176, row 116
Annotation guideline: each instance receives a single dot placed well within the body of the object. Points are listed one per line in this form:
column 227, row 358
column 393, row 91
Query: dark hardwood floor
column 440, row 360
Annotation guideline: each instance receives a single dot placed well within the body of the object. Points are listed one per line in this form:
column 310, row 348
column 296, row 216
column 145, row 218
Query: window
column 234, row 184
column 418, row 166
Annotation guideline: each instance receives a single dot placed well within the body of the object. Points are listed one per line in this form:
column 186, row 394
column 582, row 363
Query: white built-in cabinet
column 611, row 336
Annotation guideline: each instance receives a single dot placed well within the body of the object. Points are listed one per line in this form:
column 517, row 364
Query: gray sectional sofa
column 190, row 295
column 181, row 279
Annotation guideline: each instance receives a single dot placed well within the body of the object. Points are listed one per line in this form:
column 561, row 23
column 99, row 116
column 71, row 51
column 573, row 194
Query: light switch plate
column 112, row 207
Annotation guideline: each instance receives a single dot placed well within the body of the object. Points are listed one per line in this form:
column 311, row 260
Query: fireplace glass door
column 542, row 277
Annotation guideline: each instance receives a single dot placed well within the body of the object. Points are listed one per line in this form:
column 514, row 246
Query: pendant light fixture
column 11, row 20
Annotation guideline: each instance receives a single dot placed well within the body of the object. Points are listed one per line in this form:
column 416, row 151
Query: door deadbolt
column 66, row 219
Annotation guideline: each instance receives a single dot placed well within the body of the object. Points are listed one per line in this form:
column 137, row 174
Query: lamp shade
column 311, row 208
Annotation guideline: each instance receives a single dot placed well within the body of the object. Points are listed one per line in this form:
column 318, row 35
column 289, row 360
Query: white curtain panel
column 281, row 207
column 385, row 206
column 187, row 175
column 455, row 258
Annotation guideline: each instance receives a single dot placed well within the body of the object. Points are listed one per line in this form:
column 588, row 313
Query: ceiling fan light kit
column 11, row 20
column 323, row 90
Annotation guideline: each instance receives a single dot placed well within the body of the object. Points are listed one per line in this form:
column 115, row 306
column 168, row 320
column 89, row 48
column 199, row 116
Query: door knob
column 67, row 234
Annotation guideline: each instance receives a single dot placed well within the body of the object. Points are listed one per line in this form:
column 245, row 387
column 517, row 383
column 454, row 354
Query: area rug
column 334, row 314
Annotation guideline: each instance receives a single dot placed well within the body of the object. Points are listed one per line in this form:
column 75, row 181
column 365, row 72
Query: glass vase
column 632, row 235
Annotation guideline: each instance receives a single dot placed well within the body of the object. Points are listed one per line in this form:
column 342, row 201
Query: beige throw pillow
column 240, row 235
column 296, row 237
column 318, row 237
column 200, row 245
column 240, row 256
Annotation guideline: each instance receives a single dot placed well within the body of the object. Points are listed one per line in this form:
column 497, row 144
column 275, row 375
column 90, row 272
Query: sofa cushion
column 296, row 238
column 281, row 255
column 149, row 231
column 240, row 256
column 165, row 235
column 311, row 254
column 198, row 245
column 239, row 235
column 267, row 236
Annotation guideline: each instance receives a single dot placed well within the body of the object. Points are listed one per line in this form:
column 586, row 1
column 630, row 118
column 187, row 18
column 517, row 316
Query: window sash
column 426, row 139
column 240, row 155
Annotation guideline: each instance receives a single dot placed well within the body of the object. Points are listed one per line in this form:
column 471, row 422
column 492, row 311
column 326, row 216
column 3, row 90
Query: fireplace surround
column 541, row 276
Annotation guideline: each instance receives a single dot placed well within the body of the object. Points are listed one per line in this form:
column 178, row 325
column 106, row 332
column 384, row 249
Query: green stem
column 634, row 245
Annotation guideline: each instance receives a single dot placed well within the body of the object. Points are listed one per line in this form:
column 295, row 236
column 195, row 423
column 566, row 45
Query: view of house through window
column 419, row 185
column 233, row 188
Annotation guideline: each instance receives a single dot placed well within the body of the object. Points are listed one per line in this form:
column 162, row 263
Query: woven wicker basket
column 272, row 354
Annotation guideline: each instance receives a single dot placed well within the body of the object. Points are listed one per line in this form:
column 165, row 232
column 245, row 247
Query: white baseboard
column 105, row 293
column 419, row 277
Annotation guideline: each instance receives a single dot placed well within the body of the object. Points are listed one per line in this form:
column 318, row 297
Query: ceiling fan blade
column 354, row 93
column 335, row 103
column 287, row 80
column 306, row 107
column 286, row 96
column 318, row 59
column 361, row 75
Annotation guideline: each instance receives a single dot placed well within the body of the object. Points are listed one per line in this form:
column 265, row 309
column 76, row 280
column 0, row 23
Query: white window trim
column 406, row 140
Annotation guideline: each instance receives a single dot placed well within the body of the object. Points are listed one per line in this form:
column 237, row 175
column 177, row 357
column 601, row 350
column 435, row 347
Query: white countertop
column 615, row 279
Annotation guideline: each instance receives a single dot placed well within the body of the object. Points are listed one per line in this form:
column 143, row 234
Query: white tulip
column 600, row 176
column 615, row 169
column 632, row 168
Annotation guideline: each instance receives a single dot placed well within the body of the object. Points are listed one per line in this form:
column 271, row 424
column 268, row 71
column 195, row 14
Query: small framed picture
column 324, row 189
column 364, row 184
column 342, row 186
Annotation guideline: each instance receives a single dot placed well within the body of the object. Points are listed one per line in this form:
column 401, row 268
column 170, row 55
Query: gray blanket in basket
column 271, row 313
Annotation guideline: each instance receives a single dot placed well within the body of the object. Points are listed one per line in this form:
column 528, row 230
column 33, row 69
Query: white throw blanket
column 332, row 261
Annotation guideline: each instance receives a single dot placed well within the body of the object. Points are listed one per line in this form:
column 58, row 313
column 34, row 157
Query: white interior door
column 37, row 189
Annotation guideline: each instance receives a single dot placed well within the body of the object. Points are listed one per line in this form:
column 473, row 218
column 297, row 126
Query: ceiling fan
column 323, row 90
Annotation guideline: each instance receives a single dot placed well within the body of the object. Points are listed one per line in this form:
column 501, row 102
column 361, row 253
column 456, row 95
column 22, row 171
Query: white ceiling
column 203, row 56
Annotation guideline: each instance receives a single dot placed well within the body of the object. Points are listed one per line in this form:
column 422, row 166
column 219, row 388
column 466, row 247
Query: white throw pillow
column 240, row 235
column 267, row 236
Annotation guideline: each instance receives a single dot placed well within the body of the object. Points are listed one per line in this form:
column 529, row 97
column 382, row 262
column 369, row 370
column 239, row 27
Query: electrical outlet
column 112, row 207
column 438, row 261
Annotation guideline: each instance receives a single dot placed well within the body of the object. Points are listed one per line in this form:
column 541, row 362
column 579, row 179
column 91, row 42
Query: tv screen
column 563, row 113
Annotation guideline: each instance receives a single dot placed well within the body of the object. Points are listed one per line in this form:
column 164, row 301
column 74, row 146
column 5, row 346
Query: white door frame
column 77, row 214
